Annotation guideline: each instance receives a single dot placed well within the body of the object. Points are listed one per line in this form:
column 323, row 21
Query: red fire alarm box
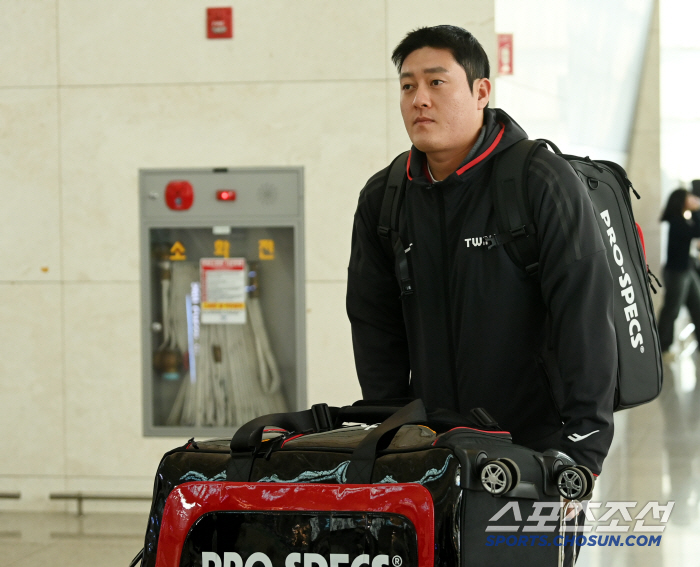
column 179, row 195
column 219, row 23
column 505, row 53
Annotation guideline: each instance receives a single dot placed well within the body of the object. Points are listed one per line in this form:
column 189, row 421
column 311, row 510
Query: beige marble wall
column 93, row 90
column 644, row 167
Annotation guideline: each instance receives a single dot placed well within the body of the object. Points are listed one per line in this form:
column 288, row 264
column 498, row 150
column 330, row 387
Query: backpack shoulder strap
column 394, row 188
column 388, row 225
column 514, row 219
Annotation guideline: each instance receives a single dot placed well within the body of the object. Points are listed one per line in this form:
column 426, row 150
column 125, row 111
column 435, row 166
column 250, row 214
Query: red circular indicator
column 179, row 195
column 226, row 195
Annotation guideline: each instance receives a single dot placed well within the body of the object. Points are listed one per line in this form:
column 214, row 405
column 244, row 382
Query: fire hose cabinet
column 222, row 287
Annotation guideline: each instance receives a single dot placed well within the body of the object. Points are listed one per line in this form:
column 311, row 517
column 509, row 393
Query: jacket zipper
column 446, row 291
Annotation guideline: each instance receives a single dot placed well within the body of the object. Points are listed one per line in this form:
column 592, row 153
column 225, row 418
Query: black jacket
column 539, row 353
column 680, row 233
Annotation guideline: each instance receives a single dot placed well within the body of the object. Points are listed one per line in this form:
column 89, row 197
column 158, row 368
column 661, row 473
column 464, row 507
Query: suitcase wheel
column 496, row 476
column 514, row 471
column 590, row 481
column 572, row 483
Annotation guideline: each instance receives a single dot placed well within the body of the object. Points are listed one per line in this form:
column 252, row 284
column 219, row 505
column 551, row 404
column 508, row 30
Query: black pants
column 682, row 288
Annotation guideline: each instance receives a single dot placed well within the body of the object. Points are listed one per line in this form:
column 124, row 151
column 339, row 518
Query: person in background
column 682, row 282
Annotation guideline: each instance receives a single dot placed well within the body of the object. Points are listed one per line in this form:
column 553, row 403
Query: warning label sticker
column 223, row 290
column 266, row 249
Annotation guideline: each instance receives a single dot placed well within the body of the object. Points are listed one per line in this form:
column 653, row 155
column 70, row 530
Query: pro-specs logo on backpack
column 631, row 311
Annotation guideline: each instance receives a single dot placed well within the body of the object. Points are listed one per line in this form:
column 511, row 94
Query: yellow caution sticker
column 177, row 252
column 222, row 248
column 220, row 305
column 266, row 249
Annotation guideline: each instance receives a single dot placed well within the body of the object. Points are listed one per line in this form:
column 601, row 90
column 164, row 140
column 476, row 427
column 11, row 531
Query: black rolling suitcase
column 306, row 489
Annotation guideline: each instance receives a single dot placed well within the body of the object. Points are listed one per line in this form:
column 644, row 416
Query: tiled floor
column 58, row 540
column 655, row 457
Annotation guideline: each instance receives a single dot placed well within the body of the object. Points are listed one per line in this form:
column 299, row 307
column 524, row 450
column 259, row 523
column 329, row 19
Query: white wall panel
column 28, row 46
column 164, row 41
column 29, row 185
column 31, row 379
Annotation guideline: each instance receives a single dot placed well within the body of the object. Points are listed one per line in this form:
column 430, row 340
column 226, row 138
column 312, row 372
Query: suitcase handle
column 359, row 470
column 249, row 436
column 368, row 412
column 319, row 418
column 247, row 440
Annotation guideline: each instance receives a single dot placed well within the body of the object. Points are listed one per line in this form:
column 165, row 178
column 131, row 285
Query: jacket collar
column 501, row 131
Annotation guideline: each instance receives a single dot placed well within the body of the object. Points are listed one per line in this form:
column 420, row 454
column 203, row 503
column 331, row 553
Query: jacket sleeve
column 577, row 288
column 685, row 229
column 374, row 305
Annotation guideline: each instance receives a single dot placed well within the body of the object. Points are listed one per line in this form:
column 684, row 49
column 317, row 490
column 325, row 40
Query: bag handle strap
column 359, row 470
column 246, row 442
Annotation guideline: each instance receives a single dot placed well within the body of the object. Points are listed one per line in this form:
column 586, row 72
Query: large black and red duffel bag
column 322, row 488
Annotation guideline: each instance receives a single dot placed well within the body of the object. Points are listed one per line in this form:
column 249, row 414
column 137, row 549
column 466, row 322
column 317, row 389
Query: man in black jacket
column 538, row 352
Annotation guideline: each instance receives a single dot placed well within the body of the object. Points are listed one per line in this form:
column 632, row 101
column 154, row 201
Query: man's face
column 439, row 110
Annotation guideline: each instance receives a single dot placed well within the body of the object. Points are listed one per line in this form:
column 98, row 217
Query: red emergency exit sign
column 219, row 23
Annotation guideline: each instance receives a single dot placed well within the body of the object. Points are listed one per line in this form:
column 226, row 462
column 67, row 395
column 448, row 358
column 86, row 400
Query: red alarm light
column 226, row 195
column 179, row 195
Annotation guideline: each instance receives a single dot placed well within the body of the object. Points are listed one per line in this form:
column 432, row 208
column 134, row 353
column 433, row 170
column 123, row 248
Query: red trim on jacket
column 464, row 168
column 483, row 156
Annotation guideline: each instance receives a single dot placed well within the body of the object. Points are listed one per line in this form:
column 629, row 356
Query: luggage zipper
column 500, row 435
column 651, row 274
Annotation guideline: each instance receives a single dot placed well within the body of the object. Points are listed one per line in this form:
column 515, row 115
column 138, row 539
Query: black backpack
column 639, row 374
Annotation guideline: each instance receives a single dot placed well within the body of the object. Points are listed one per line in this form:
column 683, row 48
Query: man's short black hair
column 464, row 47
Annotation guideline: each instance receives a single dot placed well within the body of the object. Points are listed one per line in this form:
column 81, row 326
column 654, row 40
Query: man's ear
column 482, row 88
